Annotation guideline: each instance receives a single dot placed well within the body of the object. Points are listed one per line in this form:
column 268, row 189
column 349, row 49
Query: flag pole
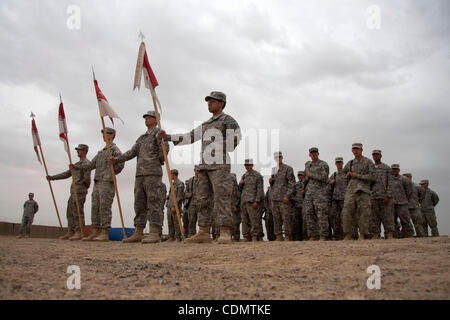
column 73, row 181
column 113, row 174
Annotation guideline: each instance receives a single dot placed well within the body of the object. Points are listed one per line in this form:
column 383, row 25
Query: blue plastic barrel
column 116, row 234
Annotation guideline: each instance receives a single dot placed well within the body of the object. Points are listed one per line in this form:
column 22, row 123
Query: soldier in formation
column 172, row 219
column 268, row 216
column 338, row 186
column 414, row 206
column 30, row 207
column 298, row 223
column 428, row 201
column 401, row 192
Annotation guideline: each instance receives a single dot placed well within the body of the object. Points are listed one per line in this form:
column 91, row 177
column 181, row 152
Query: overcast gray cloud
column 314, row 71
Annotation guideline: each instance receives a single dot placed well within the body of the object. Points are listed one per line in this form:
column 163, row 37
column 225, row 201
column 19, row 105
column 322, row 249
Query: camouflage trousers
column 27, row 221
column 356, row 212
column 429, row 219
column 268, row 222
column 297, row 223
column 281, row 213
column 73, row 223
column 416, row 217
column 316, row 214
column 235, row 228
column 401, row 212
column 214, row 187
column 101, row 203
column 381, row 213
column 172, row 224
column 336, row 219
column 185, row 221
column 191, row 214
column 251, row 220
column 147, row 201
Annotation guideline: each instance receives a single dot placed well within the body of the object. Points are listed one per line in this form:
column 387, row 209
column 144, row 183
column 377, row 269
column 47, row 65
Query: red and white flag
column 143, row 67
column 63, row 127
column 103, row 105
column 35, row 136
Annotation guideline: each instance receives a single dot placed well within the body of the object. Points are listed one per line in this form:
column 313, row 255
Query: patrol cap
column 175, row 171
column 339, row 159
column 407, row 174
column 31, row 194
column 149, row 114
column 395, row 166
column 424, row 181
column 357, row 145
column 376, row 152
column 313, row 149
column 82, row 147
column 300, row 173
column 278, row 154
column 197, row 167
column 216, row 95
column 248, row 162
column 110, row 130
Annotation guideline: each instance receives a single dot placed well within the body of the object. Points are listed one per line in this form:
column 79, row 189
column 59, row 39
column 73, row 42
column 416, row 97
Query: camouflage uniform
column 162, row 197
column 192, row 209
column 382, row 212
column 251, row 191
column 298, row 223
column 401, row 192
column 357, row 204
column 219, row 135
column 316, row 203
column 172, row 219
column 150, row 158
column 236, row 212
column 283, row 187
column 30, row 207
column 337, row 193
column 268, row 217
column 103, row 192
column 414, row 209
column 82, row 180
column 428, row 201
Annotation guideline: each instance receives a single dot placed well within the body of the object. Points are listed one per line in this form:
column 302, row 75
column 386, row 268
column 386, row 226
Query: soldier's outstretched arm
column 62, row 175
column 182, row 139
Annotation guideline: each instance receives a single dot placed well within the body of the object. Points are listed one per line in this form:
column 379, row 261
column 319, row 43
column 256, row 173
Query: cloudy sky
column 304, row 74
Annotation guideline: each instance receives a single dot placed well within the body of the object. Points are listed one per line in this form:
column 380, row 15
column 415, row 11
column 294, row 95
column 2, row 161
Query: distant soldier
column 401, row 191
column 414, row 206
column 282, row 192
column 251, row 188
column 357, row 205
column 172, row 219
column 103, row 192
column 428, row 201
column 381, row 196
column 82, row 180
column 338, row 186
column 235, row 209
column 316, row 203
column 219, row 135
column 191, row 204
column 150, row 158
column 297, row 221
column 30, row 207
column 268, row 216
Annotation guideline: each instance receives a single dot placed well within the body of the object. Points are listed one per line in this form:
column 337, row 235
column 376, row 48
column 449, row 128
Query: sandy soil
column 410, row 269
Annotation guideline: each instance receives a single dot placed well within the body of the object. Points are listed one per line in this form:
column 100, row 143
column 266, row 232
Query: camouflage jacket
column 101, row 165
column 179, row 194
column 298, row 195
column 253, row 188
column 382, row 187
column 365, row 170
column 30, row 207
column 284, row 183
column 82, row 178
column 268, row 200
column 162, row 194
column 219, row 135
column 401, row 189
column 416, row 194
column 429, row 200
column 337, row 191
column 149, row 153
column 317, row 182
column 236, row 194
column 191, row 187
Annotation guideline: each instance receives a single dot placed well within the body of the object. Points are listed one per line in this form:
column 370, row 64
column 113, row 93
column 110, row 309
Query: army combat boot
column 104, row 235
column 362, row 237
column 76, row 236
column 225, row 235
column 348, row 236
column 153, row 236
column 136, row 237
column 95, row 233
column 322, row 238
column 390, row 235
column 376, row 236
column 279, row 237
column 67, row 235
column 201, row 237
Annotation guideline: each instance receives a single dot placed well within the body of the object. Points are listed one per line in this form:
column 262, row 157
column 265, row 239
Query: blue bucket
column 116, row 234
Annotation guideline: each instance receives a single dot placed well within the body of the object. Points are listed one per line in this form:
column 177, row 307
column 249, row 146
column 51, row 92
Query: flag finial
column 141, row 35
column 32, row 115
column 60, row 98
column 93, row 73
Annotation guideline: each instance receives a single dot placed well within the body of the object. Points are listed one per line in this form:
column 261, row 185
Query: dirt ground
column 410, row 269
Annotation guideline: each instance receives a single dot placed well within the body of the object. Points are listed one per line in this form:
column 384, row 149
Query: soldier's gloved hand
column 190, row 195
column 332, row 181
column 111, row 160
column 241, row 182
column 49, row 178
column 162, row 134
column 72, row 167
column 173, row 210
